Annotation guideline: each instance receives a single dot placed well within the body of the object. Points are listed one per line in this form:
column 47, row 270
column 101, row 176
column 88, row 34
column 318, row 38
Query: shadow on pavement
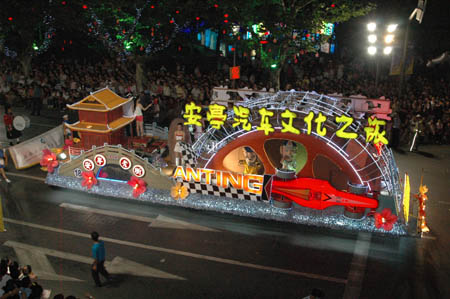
column 115, row 281
column 425, row 154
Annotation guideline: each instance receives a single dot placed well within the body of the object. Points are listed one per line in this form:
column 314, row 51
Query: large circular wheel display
column 325, row 156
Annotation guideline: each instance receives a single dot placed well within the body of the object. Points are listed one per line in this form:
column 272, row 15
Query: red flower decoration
column 103, row 174
column 68, row 143
column 139, row 186
column 49, row 160
column 385, row 219
column 89, row 179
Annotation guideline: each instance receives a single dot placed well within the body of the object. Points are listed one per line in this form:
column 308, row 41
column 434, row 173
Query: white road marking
column 358, row 267
column 444, row 202
column 182, row 253
column 167, row 222
column 32, row 177
column 159, row 222
column 118, row 265
column 41, row 265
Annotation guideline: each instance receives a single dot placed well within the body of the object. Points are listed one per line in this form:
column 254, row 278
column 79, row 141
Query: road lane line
column 358, row 267
column 443, row 202
column 118, row 265
column 159, row 222
column 182, row 253
column 105, row 212
column 32, row 177
column 40, row 262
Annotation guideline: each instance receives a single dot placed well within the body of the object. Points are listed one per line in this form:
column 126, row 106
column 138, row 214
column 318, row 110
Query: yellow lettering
column 193, row 174
column 308, row 120
column 208, row 173
column 179, row 172
column 255, row 186
column 236, row 182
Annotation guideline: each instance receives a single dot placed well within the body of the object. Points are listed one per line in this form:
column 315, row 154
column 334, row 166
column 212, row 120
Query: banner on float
column 29, row 153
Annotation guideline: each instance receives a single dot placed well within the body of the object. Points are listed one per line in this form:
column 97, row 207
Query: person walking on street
column 98, row 253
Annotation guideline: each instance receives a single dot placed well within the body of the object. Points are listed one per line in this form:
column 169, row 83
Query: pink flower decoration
column 89, row 179
column 385, row 219
column 139, row 186
column 49, row 160
column 103, row 174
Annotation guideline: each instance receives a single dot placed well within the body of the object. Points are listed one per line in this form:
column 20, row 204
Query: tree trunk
column 139, row 74
column 25, row 61
column 275, row 74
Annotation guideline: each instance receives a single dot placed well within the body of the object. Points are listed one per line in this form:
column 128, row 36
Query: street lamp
column 379, row 40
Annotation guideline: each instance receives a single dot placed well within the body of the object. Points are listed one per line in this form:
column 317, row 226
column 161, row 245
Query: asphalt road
column 167, row 252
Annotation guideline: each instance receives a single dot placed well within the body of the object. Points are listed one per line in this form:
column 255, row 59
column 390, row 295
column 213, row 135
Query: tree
column 26, row 30
column 138, row 29
column 281, row 28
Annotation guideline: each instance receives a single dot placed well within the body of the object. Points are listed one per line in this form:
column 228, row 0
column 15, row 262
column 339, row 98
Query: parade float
column 290, row 156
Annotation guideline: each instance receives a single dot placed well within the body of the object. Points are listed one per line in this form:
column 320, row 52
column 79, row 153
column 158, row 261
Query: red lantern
column 49, row 160
column 385, row 219
column 139, row 186
column 89, row 179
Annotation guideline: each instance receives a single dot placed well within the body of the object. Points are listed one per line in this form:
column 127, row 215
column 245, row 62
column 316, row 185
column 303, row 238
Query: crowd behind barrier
column 424, row 105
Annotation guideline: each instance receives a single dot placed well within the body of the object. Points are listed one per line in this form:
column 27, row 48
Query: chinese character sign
column 313, row 123
column 192, row 114
column 216, row 116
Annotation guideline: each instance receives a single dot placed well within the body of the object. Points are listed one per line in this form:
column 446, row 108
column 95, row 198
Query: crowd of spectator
column 56, row 83
column 18, row 282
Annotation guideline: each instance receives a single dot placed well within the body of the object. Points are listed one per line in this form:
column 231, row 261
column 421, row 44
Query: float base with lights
column 292, row 156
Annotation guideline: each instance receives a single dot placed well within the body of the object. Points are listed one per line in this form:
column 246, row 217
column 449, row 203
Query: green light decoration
column 127, row 44
column 273, row 65
column 118, row 36
column 255, row 28
column 327, row 28
column 35, row 47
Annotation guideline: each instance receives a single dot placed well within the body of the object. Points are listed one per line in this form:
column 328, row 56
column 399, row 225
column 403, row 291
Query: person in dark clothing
column 98, row 253
column 37, row 99
column 11, row 133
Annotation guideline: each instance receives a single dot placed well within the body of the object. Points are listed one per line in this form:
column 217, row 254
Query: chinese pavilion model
column 102, row 115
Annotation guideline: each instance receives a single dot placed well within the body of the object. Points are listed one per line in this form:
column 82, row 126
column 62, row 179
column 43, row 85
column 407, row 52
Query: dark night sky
column 430, row 39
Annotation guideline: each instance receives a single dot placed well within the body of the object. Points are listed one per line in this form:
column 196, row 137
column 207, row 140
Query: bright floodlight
column 372, row 50
column 372, row 38
column 387, row 50
column 391, row 28
column 389, row 38
column 371, row 27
